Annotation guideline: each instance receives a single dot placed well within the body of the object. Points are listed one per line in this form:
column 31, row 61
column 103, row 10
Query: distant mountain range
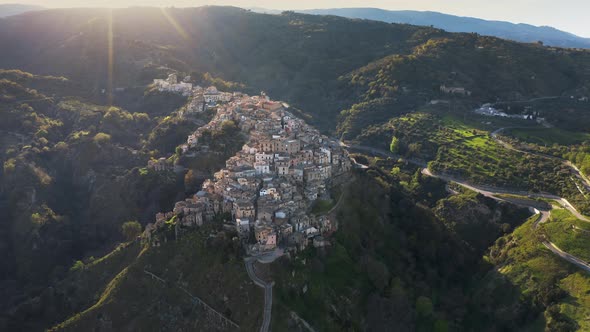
column 15, row 9
column 519, row 32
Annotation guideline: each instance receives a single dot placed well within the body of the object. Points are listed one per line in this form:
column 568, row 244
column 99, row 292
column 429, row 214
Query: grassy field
column 577, row 304
column 482, row 160
column 549, row 136
column 533, row 268
column 532, row 262
column 569, row 233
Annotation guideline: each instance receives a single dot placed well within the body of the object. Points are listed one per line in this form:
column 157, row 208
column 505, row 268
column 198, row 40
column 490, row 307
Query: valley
column 150, row 185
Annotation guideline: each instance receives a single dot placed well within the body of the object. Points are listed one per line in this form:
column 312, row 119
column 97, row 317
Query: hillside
column 72, row 174
column 79, row 179
column 15, row 9
column 116, row 292
column 404, row 267
column 521, row 32
column 82, row 117
column 295, row 57
column 548, row 281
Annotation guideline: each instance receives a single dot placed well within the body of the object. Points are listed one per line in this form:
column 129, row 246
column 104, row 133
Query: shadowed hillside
column 81, row 119
column 295, row 57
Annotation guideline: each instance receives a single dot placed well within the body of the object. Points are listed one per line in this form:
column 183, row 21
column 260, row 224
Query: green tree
column 394, row 146
column 131, row 229
column 61, row 146
column 414, row 149
column 441, row 325
column 424, row 306
column 102, row 138
column 78, row 265
column 9, row 165
column 378, row 273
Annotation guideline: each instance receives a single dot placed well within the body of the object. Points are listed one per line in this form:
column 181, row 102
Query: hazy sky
column 568, row 15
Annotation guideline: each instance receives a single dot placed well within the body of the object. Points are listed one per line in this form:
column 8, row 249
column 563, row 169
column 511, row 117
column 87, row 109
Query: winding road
column 492, row 192
column 267, row 312
column 543, row 215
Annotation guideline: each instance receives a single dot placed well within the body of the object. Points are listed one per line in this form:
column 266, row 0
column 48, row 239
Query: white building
column 260, row 157
column 171, row 85
column 262, row 167
column 250, row 150
column 212, row 95
column 328, row 153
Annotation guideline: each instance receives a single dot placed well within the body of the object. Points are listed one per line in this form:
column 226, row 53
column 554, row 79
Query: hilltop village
column 267, row 190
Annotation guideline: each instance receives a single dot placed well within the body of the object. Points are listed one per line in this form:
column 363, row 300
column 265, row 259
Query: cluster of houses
column 489, row 110
column 171, row 84
column 202, row 98
column 199, row 97
column 266, row 191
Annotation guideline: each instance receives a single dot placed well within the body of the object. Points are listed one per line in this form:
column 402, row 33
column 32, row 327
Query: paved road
column 491, row 192
column 485, row 191
column 568, row 257
column 543, row 215
column 536, row 99
column 268, row 257
column 267, row 313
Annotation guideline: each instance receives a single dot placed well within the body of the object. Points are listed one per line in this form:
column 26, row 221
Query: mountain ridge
column 11, row 9
column 414, row 250
column 522, row 32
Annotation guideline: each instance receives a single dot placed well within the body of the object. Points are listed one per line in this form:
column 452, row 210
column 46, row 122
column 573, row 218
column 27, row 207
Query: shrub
column 78, row 265
column 131, row 229
column 102, row 138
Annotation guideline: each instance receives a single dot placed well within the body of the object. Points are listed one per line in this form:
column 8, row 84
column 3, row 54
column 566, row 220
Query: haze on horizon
column 567, row 15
